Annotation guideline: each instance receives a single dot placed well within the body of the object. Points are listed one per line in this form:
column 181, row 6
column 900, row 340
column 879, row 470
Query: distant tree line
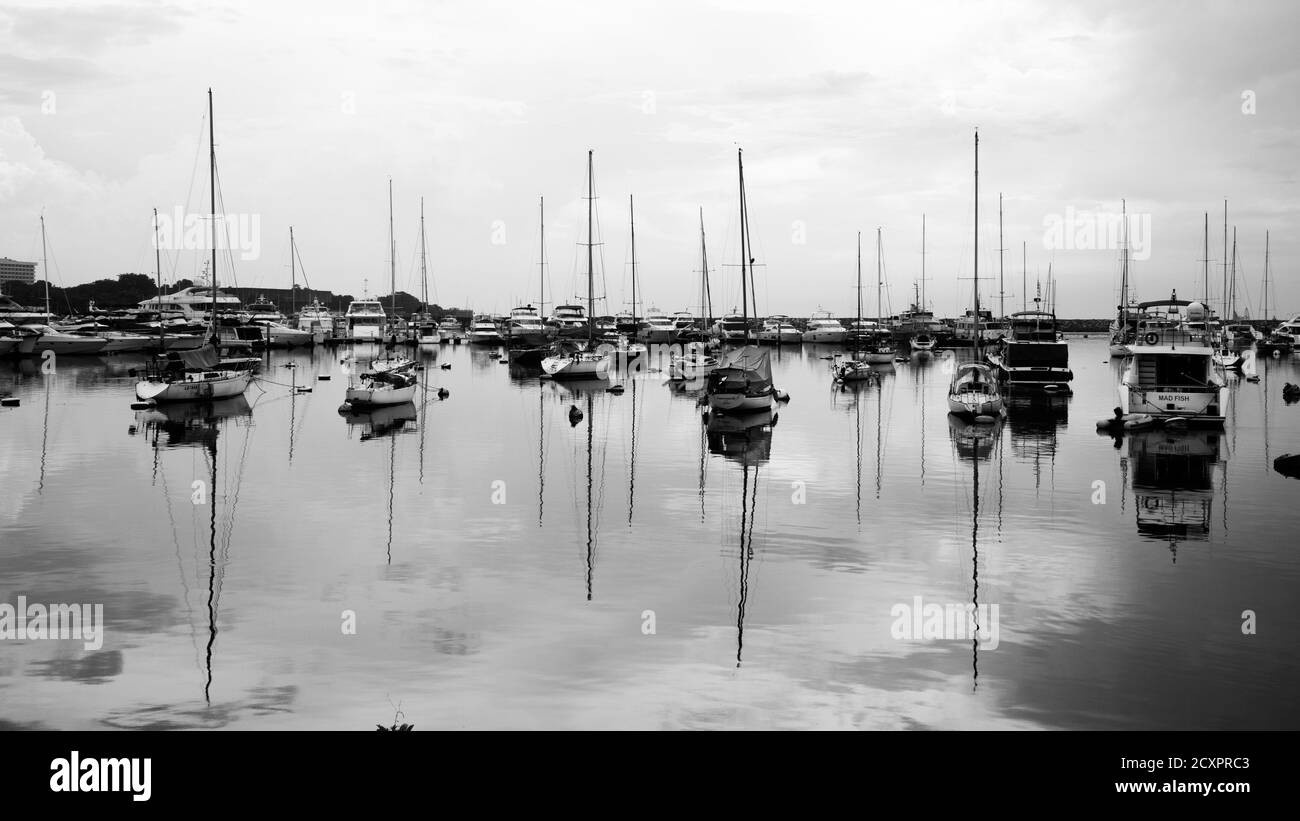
column 129, row 290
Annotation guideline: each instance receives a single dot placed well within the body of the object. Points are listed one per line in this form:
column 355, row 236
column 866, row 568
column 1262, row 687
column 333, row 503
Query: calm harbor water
column 639, row 569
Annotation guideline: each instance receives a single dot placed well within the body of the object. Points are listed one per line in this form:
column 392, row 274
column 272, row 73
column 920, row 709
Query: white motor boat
column 732, row 327
column 659, row 327
column 484, row 331
column 824, row 328
column 316, row 318
column 278, row 335
column 777, row 330
column 37, row 339
column 365, row 319
column 1172, row 370
column 922, row 343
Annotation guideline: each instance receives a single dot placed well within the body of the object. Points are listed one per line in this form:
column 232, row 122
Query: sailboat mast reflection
column 189, row 424
column 745, row 438
column 975, row 441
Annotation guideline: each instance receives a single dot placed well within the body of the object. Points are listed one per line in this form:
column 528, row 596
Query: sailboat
column 582, row 362
column 1123, row 331
column 878, row 348
column 425, row 328
column 857, row 368
column 626, row 348
column 1277, row 342
column 314, row 318
column 742, row 380
column 695, row 361
column 180, row 376
column 527, row 335
column 391, row 361
column 36, row 339
column 973, row 391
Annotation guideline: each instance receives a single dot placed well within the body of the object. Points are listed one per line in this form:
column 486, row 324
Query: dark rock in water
column 446, row 367
column 1288, row 464
column 575, row 415
column 1291, row 393
column 443, row 393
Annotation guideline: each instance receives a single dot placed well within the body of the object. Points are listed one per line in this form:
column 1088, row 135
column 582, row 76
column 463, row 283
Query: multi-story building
column 11, row 270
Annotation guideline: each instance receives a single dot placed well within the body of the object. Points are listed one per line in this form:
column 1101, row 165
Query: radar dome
column 1196, row 312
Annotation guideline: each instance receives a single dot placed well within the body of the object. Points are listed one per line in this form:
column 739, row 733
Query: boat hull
column 195, row 388
column 741, row 402
column 583, row 366
column 691, row 368
column 61, row 346
column 1196, row 405
column 380, row 397
column 975, row 404
column 8, row 346
column 824, row 337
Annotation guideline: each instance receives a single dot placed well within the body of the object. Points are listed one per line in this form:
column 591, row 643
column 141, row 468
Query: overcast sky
column 852, row 116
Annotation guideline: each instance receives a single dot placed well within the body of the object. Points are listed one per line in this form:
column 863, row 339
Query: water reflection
column 199, row 425
column 746, row 440
column 976, row 442
column 1173, row 483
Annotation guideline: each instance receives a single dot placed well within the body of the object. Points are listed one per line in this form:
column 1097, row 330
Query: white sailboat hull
column 195, row 387
column 974, row 403
column 371, row 397
column 580, row 366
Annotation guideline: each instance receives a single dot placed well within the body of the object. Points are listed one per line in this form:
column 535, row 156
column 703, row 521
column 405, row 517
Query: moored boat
column 1171, row 371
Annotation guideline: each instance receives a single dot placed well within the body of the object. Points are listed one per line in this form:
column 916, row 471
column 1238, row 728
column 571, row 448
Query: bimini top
column 1181, row 303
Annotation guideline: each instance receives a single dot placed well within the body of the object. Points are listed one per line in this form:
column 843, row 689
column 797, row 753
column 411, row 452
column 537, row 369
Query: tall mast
column 1123, row 286
column 706, row 298
column 292, row 271
column 591, row 281
column 879, row 271
column 157, row 261
column 744, row 256
column 631, row 213
column 1265, row 316
column 541, row 258
column 922, row 305
column 1207, row 265
column 424, row 270
column 977, row 246
column 392, row 259
column 1225, row 259
column 212, row 185
column 858, row 326
column 1002, row 291
column 45, row 269
column 1232, row 291
column 1024, row 276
